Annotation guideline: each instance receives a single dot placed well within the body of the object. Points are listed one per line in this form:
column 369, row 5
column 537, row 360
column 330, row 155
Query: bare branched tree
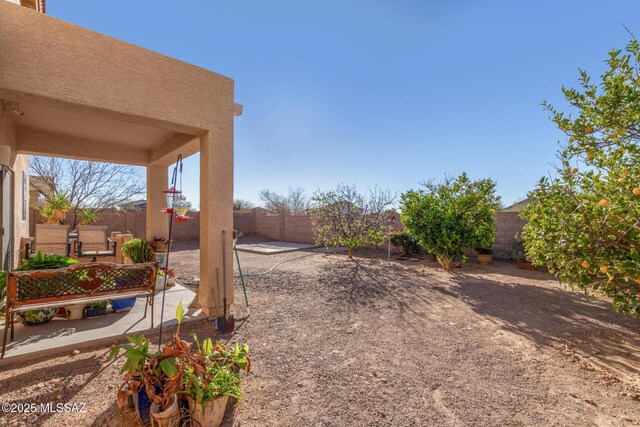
column 94, row 185
column 295, row 202
column 241, row 204
column 346, row 217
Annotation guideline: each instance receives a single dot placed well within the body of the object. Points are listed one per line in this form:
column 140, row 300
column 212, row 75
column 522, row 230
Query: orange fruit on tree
column 590, row 155
column 589, row 129
column 638, row 280
column 603, row 203
column 574, row 170
column 625, row 173
column 636, row 191
column 585, row 264
column 604, row 268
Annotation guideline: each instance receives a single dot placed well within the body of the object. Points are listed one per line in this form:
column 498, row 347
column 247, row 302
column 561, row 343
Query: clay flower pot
column 167, row 418
column 485, row 259
column 213, row 411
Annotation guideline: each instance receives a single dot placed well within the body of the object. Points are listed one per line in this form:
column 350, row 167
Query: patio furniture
column 79, row 284
column 52, row 239
column 93, row 242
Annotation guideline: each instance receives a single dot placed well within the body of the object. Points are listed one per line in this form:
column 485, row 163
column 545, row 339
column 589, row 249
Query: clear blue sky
column 379, row 92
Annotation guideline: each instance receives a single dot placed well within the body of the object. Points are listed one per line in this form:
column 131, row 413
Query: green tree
column 346, row 217
column 584, row 222
column 449, row 216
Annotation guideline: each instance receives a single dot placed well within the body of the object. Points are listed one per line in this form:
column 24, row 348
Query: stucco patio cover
column 87, row 96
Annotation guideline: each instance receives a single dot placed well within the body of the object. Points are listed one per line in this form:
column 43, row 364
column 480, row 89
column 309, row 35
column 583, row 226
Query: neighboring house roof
column 136, row 204
column 517, row 207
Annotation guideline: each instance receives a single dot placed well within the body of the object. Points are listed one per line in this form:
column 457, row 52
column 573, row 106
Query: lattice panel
column 81, row 282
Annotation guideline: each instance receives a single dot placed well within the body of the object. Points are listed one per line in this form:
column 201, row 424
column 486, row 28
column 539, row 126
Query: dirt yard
column 341, row 343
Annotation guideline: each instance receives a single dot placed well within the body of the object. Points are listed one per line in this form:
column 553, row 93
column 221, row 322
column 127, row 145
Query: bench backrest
column 80, row 280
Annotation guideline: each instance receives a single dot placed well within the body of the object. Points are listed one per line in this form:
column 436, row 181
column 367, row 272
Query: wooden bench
column 77, row 284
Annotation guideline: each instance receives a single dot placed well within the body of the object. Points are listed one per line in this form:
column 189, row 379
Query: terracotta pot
column 525, row 266
column 485, row 259
column 170, row 417
column 162, row 246
column 213, row 411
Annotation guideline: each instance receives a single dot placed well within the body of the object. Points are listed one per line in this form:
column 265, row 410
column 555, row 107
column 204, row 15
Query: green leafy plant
column 101, row 304
column 452, row 215
column 582, row 223
column 138, row 250
column 404, row 241
column 157, row 373
column 222, row 371
column 201, row 371
column 517, row 249
column 40, row 261
column 55, row 208
column 346, row 217
column 87, row 216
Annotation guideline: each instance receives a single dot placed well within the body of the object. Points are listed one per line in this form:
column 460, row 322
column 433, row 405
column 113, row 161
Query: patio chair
column 52, row 239
column 93, row 242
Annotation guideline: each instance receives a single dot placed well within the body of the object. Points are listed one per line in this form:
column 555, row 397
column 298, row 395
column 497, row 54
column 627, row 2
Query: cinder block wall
column 508, row 225
column 296, row 228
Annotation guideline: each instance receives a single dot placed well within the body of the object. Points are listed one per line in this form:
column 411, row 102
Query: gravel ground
column 337, row 342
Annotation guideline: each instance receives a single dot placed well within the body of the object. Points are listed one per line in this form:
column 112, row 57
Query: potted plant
column 171, row 277
column 159, row 244
column 485, row 255
column 208, row 390
column 95, row 309
column 518, row 254
column 206, row 375
column 153, row 379
column 138, row 251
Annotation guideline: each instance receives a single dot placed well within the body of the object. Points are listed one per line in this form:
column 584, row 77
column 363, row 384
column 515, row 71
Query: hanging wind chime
column 177, row 209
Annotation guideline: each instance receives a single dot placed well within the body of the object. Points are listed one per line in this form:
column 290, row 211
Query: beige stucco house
column 70, row 92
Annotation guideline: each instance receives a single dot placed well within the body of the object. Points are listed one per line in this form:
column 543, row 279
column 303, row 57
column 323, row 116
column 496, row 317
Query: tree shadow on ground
column 551, row 316
column 357, row 285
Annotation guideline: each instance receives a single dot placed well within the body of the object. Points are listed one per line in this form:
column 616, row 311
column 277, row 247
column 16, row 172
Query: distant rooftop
column 517, row 207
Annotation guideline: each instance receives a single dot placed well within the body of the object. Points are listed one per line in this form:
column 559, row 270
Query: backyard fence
column 289, row 228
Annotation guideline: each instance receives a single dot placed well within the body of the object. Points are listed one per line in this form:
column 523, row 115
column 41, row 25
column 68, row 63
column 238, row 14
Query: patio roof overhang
column 98, row 98
column 71, row 92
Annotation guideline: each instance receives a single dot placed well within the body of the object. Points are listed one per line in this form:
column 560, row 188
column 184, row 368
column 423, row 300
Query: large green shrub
column 404, row 241
column 447, row 217
column 583, row 223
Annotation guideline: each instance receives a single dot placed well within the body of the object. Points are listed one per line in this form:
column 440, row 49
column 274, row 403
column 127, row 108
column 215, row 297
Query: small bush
column 407, row 243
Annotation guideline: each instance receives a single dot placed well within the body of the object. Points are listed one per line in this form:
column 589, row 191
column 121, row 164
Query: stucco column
column 216, row 215
column 157, row 182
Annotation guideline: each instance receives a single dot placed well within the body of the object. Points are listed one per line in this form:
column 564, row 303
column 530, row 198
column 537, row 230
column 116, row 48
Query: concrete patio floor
column 34, row 341
column 273, row 247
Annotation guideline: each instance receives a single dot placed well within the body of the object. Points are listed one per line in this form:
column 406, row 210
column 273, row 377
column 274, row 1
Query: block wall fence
column 294, row 228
